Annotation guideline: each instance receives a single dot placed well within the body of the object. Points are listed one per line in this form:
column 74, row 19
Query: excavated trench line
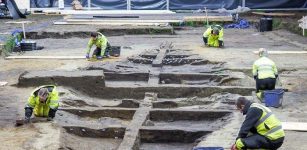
column 144, row 124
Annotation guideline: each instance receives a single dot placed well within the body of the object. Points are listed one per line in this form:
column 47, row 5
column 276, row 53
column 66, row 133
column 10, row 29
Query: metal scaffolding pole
column 89, row 4
column 128, row 4
column 243, row 3
column 167, row 4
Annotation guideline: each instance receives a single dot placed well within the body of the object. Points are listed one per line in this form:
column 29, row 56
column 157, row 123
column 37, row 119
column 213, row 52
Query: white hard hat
column 262, row 52
column 43, row 93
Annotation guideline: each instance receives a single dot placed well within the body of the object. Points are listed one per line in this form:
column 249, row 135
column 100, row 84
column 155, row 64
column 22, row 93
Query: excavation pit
column 149, row 135
column 168, row 103
column 204, row 120
column 188, row 115
column 129, row 76
column 219, row 101
column 96, row 133
column 179, row 129
column 121, row 113
column 209, row 68
column 127, row 79
column 119, row 85
column 97, row 129
column 172, row 60
column 192, row 78
column 73, row 137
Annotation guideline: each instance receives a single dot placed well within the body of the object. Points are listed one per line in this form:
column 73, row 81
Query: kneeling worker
column 265, row 73
column 45, row 102
column 260, row 129
column 103, row 47
column 213, row 36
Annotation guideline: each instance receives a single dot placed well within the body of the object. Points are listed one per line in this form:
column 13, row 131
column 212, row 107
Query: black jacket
column 253, row 114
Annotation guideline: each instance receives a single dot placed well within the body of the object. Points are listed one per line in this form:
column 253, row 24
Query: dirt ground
column 238, row 56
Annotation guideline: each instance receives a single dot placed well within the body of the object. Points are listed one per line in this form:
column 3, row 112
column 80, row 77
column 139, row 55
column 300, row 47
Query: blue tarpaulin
column 241, row 24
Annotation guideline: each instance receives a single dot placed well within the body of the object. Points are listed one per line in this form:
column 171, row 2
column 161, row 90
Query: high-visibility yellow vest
column 100, row 42
column 268, row 125
column 264, row 68
column 42, row 109
column 213, row 40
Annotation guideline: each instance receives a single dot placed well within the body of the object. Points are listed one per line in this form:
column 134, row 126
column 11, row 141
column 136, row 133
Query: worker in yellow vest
column 265, row 73
column 103, row 47
column 260, row 129
column 213, row 36
column 44, row 100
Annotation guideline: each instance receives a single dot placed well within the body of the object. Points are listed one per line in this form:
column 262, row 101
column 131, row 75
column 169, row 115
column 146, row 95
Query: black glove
column 205, row 40
column 255, row 77
column 221, row 43
column 28, row 114
column 51, row 113
column 276, row 76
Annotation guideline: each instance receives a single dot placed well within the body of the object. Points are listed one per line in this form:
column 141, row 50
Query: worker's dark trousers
column 52, row 112
column 265, row 84
column 205, row 39
column 257, row 141
column 97, row 51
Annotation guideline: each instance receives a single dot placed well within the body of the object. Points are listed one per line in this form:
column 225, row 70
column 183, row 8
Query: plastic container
column 115, row 51
column 266, row 24
column 273, row 98
column 26, row 45
column 208, row 148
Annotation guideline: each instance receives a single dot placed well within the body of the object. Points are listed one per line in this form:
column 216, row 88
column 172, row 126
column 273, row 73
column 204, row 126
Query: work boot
column 27, row 120
column 107, row 54
column 99, row 57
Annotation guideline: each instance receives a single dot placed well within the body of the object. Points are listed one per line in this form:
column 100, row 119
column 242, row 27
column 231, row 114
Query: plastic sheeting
column 176, row 4
column 109, row 4
column 42, row 3
column 14, row 11
column 148, row 4
column 257, row 4
column 201, row 4
column 52, row 3
column 242, row 24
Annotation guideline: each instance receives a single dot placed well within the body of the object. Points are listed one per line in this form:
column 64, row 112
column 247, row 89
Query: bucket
column 115, row 51
column 208, row 148
column 28, row 45
column 273, row 98
column 265, row 24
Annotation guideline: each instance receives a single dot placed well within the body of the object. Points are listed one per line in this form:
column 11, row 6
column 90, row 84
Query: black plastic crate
column 28, row 45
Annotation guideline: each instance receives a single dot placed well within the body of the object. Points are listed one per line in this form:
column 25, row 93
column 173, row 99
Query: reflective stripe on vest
column 268, row 125
column 273, row 130
column 266, row 69
column 267, row 115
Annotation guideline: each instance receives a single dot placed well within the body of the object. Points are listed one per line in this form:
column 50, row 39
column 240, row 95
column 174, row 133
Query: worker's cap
column 262, row 52
column 43, row 93
column 215, row 30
